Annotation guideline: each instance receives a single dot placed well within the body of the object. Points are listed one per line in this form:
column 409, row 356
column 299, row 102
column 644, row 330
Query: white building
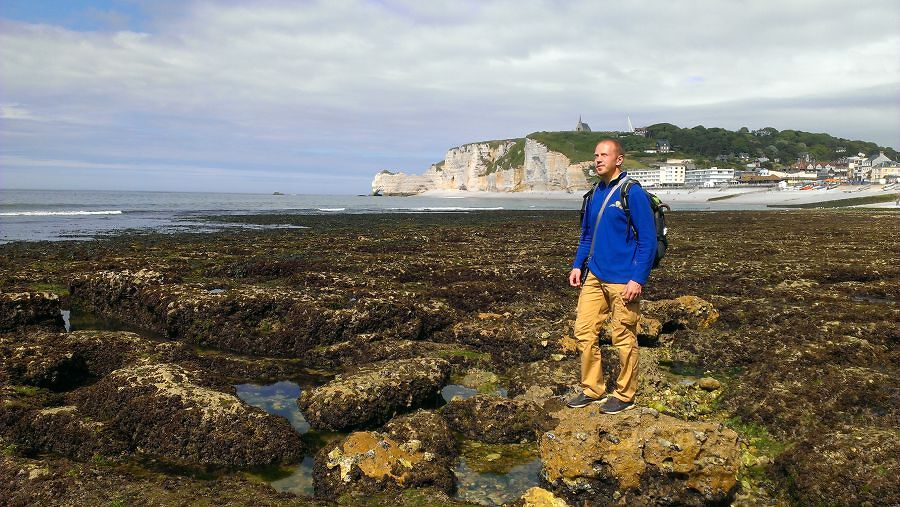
column 665, row 175
column 708, row 177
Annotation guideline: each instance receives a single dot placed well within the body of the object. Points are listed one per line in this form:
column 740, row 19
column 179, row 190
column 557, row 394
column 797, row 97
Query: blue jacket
column 619, row 256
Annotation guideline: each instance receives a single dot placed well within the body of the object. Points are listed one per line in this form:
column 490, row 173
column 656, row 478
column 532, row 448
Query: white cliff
column 491, row 167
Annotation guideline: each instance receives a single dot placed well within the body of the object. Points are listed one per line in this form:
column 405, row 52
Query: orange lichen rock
column 592, row 454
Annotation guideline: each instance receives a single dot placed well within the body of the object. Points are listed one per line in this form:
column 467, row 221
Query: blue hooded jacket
column 619, row 256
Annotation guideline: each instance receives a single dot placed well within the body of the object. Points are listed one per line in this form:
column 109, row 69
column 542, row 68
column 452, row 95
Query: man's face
column 607, row 160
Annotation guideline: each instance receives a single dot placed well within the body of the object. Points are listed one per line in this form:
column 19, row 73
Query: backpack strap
column 586, row 201
column 625, row 188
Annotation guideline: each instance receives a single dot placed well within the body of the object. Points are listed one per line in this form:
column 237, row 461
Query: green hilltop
column 702, row 144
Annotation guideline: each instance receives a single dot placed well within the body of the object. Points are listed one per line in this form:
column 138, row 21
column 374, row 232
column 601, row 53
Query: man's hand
column 575, row 277
column 632, row 291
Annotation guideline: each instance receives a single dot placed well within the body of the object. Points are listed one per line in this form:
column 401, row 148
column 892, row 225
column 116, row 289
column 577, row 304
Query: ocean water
column 53, row 215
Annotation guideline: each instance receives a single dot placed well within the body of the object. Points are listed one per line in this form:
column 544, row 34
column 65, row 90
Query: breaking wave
column 57, row 213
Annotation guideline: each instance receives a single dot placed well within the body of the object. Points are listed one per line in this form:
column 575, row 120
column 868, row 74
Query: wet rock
column 165, row 411
column 365, row 463
column 67, row 432
column 709, row 384
column 425, row 426
column 476, row 378
column 373, row 394
column 857, row 465
column 539, row 497
column 637, row 458
column 689, row 312
column 20, row 309
column 493, row 419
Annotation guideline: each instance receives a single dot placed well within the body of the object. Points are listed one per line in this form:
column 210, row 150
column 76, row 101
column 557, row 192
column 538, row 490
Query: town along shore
column 770, row 341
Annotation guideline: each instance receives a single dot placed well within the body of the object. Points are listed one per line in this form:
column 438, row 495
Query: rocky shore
column 768, row 373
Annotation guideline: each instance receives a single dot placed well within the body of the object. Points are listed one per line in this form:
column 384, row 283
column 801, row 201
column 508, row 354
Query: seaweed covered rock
column 858, row 465
column 639, row 457
column 427, row 427
column 62, row 361
column 20, row 309
column 506, row 340
column 65, row 431
column 275, row 322
column 366, row 462
column 493, row 419
column 374, row 394
column 689, row 312
column 166, row 411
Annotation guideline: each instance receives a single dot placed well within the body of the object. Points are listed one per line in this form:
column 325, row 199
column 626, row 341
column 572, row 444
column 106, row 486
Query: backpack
column 658, row 208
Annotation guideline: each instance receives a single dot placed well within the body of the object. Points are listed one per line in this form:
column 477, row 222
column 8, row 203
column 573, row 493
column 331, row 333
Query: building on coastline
column 862, row 168
column 582, row 126
column 885, row 172
column 708, row 178
column 666, row 175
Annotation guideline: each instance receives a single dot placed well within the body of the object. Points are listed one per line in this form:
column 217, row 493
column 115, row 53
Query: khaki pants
column 599, row 300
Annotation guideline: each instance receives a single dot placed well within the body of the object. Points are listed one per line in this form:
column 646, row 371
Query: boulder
column 367, row 462
column 683, row 312
column 165, row 411
column 20, row 309
column 427, row 427
column 638, row 457
column 374, row 394
column 493, row 419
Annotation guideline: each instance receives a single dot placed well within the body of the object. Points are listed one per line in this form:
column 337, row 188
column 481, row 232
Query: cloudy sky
column 318, row 96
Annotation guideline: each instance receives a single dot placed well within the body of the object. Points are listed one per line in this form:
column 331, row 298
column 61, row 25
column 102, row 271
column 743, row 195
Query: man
column 619, row 265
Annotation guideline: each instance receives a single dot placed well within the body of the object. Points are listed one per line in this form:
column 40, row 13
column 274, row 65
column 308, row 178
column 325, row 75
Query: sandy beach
column 727, row 197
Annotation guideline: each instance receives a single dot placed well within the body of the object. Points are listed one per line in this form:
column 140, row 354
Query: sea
column 55, row 215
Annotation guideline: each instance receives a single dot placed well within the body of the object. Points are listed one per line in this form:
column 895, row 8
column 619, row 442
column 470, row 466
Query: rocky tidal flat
column 769, row 365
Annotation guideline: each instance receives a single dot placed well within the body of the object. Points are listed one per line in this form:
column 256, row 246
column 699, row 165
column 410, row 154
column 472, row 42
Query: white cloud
column 273, row 83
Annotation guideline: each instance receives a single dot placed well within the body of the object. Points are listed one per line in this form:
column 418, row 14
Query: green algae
column 496, row 458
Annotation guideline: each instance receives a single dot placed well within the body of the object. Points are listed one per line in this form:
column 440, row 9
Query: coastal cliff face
column 491, row 167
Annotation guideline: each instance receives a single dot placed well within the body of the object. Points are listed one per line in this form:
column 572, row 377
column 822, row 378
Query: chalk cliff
column 516, row 165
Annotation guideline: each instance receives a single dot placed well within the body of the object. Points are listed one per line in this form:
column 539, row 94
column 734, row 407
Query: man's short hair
column 616, row 143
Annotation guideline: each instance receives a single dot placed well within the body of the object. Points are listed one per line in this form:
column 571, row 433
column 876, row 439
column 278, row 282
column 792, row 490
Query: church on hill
column 582, row 126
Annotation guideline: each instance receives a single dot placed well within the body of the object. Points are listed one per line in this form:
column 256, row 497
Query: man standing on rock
column 618, row 252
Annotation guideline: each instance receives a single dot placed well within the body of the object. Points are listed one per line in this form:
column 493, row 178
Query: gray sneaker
column 583, row 400
column 614, row 405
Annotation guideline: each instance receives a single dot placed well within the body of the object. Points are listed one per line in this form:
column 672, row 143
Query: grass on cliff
column 514, row 157
column 579, row 146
